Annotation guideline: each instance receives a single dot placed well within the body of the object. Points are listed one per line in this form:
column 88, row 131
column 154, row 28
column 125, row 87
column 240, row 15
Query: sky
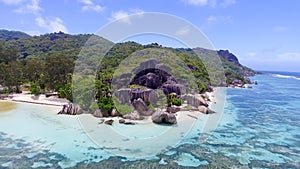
column 264, row 35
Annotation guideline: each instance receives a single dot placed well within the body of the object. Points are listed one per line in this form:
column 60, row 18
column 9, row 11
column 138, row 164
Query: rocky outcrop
column 126, row 96
column 205, row 110
column 71, row 109
column 123, row 95
column 115, row 113
column 225, row 54
column 140, row 106
column 147, row 95
column 97, row 113
column 155, row 75
column 161, row 117
column 133, row 116
column 194, row 101
column 109, row 122
column 121, row 121
column 173, row 109
column 172, row 88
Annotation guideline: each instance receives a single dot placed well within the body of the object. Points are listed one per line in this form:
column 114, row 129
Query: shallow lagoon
column 259, row 128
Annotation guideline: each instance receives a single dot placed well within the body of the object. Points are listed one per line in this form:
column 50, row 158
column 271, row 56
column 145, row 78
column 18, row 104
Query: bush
column 106, row 104
column 176, row 102
column 34, row 89
column 4, row 91
column 94, row 106
column 65, row 91
column 124, row 109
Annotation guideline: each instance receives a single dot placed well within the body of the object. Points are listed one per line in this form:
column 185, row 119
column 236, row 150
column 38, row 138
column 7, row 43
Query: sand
column 40, row 99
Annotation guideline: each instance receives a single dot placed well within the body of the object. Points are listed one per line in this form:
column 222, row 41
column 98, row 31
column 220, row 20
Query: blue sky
column 265, row 35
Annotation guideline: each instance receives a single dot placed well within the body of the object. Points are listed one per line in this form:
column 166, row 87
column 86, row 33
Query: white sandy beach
column 40, row 99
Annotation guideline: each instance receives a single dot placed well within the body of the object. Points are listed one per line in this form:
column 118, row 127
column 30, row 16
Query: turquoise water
column 260, row 128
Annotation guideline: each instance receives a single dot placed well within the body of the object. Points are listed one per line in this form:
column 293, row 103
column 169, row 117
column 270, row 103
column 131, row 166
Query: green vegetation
column 172, row 100
column 47, row 63
column 176, row 101
column 34, row 89
column 124, row 109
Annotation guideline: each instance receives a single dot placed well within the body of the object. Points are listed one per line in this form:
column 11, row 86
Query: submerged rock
column 109, row 122
column 122, row 121
column 129, row 123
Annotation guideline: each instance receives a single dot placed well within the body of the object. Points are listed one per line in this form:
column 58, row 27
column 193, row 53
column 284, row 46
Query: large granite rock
column 161, row 117
column 126, row 96
column 172, row 88
column 140, row 106
column 173, row 109
column 144, row 94
column 133, row 116
column 115, row 113
column 123, row 95
column 205, row 110
column 71, row 109
column 194, row 100
column 97, row 113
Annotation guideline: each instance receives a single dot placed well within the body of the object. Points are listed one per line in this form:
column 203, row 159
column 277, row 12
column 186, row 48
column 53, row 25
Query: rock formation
column 109, row 122
column 194, row 100
column 71, row 109
column 205, row 110
column 161, row 117
column 133, row 116
column 140, row 106
column 97, row 113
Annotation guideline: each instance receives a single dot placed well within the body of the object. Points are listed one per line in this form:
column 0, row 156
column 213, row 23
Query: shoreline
column 40, row 99
column 59, row 102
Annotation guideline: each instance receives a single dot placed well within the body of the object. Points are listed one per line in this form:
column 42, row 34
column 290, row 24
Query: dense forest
column 46, row 64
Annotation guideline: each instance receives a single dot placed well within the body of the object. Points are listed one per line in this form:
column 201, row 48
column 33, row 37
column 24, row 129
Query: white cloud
column 280, row 28
column 86, row 2
column 51, row 24
column 124, row 16
column 212, row 3
column 213, row 18
column 227, row 3
column 12, row 2
column 252, row 54
column 183, row 31
column 89, row 5
column 33, row 33
column 196, row 2
column 96, row 8
column 32, row 7
column 291, row 56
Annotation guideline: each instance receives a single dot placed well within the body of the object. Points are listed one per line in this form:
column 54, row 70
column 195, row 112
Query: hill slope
column 51, row 52
column 10, row 35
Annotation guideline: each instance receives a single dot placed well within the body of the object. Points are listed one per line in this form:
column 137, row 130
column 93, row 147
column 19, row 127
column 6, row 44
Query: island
column 40, row 70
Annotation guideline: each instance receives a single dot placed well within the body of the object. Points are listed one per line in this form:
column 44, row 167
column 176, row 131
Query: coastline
column 132, row 141
column 40, row 99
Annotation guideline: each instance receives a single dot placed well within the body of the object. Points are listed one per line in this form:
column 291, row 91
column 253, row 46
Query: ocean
column 259, row 128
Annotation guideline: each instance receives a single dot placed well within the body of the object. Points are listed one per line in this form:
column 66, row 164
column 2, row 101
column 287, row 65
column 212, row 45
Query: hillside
column 47, row 62
column 10, row 35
